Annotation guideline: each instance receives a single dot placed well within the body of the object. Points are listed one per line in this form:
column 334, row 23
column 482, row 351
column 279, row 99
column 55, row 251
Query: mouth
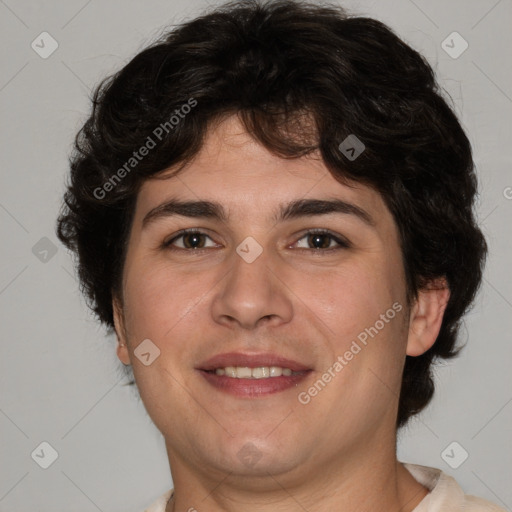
column 252, row 376
column 259, row 372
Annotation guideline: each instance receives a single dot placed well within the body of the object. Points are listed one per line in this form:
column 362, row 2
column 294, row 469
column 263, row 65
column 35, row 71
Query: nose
column 252, row 294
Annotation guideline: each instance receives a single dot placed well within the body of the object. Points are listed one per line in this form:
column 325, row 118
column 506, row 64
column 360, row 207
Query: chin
column 256, row 456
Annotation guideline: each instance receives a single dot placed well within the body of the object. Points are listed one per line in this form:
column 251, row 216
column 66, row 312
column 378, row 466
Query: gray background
column 59, row 375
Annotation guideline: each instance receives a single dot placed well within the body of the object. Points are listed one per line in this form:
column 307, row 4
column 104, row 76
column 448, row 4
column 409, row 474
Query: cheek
column 351, row 298
column 157, row 298
column 160, row 305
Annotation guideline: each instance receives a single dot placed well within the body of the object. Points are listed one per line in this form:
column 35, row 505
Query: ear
column 122, row 347
column 426, row 316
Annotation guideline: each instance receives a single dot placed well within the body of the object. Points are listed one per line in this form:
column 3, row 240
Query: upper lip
column 251, row 360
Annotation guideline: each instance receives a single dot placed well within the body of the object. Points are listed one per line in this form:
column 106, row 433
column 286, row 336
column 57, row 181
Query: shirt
column 445, row 494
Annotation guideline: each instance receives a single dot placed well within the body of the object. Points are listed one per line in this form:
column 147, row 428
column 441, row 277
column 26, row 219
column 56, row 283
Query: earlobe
column 122, row 349
column 426, row 317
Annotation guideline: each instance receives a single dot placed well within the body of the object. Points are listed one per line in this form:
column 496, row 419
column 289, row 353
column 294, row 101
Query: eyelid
column 342, row 242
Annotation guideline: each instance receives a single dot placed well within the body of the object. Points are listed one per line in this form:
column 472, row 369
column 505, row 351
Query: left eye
column 321, row 239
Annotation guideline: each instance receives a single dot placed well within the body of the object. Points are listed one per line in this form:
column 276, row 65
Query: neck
column 375, row 484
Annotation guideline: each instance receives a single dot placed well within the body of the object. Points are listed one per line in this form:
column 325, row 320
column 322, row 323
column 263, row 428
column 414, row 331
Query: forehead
column 234, row 169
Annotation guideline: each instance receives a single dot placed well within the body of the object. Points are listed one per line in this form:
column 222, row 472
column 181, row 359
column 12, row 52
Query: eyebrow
column 293, row 210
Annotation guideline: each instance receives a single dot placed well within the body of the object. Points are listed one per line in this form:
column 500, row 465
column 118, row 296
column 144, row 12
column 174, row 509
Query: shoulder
column 445, row 494
column 160, row 504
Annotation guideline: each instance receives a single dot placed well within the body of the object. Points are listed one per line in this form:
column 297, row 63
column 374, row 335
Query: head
column 248, row 107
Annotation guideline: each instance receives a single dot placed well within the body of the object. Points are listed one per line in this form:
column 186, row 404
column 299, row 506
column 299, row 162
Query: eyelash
column 343, row 244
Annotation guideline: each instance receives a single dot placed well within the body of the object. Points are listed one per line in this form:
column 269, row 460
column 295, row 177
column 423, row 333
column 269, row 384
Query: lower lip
column 253, row 388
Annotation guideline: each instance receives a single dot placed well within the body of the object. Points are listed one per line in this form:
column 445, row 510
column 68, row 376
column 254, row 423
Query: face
column 257, row 289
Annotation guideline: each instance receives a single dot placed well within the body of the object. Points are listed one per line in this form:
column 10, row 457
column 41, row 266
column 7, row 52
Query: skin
column 338, row 452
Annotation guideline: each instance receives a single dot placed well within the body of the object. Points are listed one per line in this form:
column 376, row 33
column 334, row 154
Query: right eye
column 191, row 239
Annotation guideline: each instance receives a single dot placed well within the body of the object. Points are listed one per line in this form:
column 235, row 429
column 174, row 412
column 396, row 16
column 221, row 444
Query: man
column 272, row 207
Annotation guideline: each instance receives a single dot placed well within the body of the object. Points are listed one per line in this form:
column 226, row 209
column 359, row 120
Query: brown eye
column 319, row 240
column 322, row 240
column 193, row 240
column 190, row 240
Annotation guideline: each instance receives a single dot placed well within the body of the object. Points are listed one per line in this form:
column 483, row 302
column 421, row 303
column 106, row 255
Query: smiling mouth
column 259, row 372
column 252, row 375
column 253, row 383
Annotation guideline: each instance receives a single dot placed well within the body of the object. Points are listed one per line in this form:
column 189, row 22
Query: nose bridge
column 251, row 290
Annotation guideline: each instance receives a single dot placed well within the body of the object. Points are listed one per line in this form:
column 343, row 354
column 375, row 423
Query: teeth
column 243, row 373
column 262, row 372
column 276, row 371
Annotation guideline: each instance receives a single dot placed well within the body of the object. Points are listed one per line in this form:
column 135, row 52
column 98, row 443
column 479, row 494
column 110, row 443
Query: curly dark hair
column 276, row 64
